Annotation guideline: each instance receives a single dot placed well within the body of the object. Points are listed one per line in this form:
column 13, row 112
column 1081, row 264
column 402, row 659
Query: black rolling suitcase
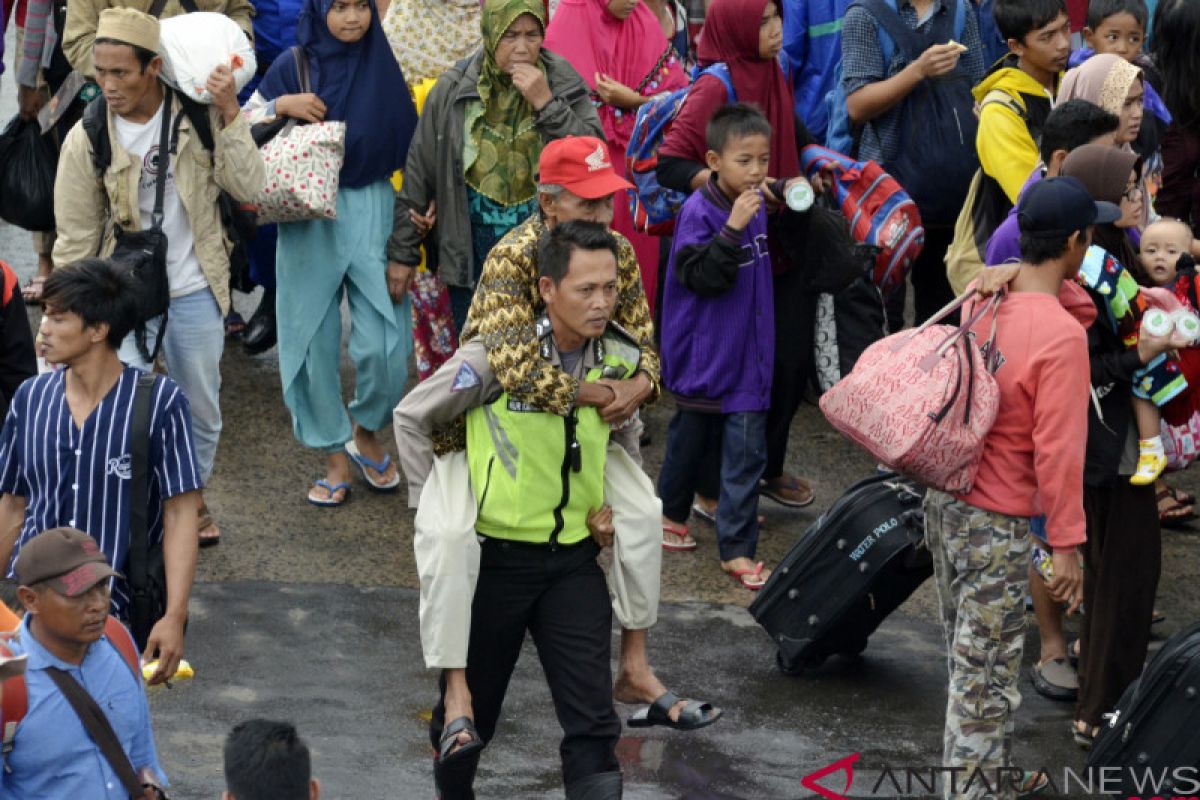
column 1155, row 729
column 852, row 568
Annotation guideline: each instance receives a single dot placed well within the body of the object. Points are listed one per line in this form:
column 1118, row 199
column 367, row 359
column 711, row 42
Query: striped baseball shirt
column 80, row 476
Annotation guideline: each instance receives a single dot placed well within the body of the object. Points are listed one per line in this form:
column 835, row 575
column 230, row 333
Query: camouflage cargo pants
column 981, row 566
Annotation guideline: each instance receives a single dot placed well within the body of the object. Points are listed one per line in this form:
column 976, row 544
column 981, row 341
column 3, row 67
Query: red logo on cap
column 89, row 546
column 79, row 580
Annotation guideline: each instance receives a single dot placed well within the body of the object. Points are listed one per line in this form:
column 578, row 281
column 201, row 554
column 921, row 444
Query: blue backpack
column 653, row 206
column 936, row 157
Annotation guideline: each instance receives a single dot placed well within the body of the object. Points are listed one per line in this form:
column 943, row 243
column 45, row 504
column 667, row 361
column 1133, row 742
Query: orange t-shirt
column 1033, row 456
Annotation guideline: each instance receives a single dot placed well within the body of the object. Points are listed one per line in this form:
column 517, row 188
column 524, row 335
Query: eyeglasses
column 1133, row 193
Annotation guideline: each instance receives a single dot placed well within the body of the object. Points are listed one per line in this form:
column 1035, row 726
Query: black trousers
column 560, row 597
column 795, row 321
column 1122, row 562
column 931, row 286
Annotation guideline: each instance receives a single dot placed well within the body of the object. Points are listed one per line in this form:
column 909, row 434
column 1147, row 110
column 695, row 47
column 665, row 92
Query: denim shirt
column 53, row 755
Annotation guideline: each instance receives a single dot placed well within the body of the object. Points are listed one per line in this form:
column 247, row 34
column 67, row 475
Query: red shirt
column 1033, row 456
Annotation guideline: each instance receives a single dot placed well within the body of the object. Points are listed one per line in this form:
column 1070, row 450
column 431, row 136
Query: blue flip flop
column 362, row 462
column 331, row 489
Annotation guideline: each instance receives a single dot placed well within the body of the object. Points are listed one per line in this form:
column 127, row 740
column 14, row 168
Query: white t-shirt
column 141, row 142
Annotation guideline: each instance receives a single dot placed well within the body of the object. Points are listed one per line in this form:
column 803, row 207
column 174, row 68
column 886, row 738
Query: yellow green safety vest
column 536, row 475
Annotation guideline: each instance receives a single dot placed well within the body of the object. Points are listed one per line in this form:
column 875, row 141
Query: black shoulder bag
column 101, row 731
column 144, row 253
column 146, row 568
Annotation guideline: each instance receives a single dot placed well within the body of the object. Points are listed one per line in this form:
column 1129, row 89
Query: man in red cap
column 63, row 580
column 576, row 182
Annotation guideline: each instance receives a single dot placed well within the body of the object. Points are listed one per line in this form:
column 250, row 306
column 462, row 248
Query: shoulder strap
column 895, row 28
column 164, row 164
column 189, row 6
column 1005, row 99
column 119, row 636
column 95, row 126
column 720, row 70
column 99, row 728
column 960, row 19
column 197, row 114
column 303, row 74
column 157, row 7
column 139, row 499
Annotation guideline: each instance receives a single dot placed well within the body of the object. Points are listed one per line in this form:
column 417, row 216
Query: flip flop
column 694, row 715
column 362, row 462
column 683, row 540
column 779, row 488
column 711, row 516
column 1176, row 513
column 1056, row 680
column 446, row 754
column 749, row 577
column 1040, row 787
column 1157, row 618
column 331, row 489
column 1084, row 734
column 1182, row 497
column 206, row 521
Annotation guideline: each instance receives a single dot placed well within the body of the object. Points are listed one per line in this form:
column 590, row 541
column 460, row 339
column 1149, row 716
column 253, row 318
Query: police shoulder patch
column 465, row 378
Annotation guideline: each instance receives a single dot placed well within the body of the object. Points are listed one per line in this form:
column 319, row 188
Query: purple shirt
column 1005, row 244
column 719, row 351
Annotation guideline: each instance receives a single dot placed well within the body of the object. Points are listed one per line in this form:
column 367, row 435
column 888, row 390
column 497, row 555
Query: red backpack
column 14, row 694
column 878, row 209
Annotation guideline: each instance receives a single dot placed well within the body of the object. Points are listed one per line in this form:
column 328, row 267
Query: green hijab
column 502, row 144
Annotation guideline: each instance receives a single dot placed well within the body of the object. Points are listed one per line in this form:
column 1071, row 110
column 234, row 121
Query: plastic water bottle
column 800, row 196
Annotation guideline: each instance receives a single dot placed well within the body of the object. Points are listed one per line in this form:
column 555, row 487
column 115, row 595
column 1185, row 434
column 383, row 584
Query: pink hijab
column 634, row 51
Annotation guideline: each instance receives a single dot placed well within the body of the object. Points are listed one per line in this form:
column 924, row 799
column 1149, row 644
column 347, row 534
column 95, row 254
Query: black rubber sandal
column 447, row 754
column 693, row 716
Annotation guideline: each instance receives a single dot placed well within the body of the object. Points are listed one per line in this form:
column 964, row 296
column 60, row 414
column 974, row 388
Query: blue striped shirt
column 80, row 477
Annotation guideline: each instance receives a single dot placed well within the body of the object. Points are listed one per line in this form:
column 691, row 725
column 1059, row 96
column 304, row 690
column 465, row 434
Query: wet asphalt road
column 310, row 615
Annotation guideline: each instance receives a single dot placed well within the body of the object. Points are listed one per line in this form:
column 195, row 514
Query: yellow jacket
column 1007, row 150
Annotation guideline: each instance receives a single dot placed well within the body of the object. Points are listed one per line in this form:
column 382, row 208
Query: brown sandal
column 206, row 523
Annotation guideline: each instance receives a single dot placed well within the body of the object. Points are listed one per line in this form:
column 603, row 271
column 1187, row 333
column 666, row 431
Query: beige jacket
column 84, row 15
column 85, row 226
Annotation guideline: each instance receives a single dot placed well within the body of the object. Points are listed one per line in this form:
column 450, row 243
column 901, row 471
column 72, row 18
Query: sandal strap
column 662, row 705
column 379, row 466
column 331, row 487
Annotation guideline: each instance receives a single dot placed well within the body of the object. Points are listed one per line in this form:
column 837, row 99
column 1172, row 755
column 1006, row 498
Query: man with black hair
column 1014, row 98
column 65, row 450
column 539, row 482
column 266, row 760
column 1032, row 464
column 1073, row 124
column 89, row 207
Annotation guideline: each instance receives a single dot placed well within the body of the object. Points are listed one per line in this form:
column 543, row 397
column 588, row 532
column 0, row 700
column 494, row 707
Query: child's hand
column 744, row 209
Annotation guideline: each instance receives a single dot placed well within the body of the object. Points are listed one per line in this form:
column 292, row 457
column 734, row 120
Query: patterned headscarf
column 1103, row 79
column 502, row 144
column 428, row 37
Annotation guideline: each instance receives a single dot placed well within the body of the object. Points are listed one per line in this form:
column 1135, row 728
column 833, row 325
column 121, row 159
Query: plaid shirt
column 862, row 64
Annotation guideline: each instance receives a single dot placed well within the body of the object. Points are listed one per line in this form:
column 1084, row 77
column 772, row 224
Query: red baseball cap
column 581, row 165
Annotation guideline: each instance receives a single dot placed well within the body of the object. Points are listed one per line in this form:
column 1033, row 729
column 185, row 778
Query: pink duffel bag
column 922, row 401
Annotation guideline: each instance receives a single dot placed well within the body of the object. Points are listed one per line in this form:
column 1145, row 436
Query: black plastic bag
column 28, row 161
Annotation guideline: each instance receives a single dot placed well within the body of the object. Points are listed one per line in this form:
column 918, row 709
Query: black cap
column 1057, row 207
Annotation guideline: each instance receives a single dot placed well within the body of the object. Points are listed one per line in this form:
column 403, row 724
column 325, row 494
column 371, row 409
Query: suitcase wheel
column 797, row 666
